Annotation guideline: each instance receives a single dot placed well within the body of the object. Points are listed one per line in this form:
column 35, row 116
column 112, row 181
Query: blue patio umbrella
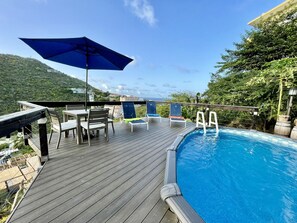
column 79, row 52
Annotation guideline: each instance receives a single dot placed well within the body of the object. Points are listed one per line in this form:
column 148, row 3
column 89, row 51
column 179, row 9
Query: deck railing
column 22, row 122
column 32, row 112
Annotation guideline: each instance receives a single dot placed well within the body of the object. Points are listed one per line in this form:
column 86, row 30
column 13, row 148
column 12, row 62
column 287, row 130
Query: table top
column 80, row 112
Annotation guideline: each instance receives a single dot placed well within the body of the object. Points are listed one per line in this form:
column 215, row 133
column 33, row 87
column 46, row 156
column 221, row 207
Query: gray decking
column 115, row 181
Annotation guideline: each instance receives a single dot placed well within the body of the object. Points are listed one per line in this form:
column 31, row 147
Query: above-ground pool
column 238, row 176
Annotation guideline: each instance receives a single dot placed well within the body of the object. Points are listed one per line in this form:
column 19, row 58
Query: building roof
column 272, row 12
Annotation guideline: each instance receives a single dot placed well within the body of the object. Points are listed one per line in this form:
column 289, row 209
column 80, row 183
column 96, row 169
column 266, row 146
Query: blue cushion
column 153, row 115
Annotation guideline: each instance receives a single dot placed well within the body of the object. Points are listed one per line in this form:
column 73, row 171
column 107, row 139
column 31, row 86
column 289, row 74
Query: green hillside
column 27, row 79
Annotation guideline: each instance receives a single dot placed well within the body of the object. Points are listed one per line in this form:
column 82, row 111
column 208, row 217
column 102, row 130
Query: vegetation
column 27, row 79
column 18, row 142
column 4, row 146
column 8, row 198
column 260, row 70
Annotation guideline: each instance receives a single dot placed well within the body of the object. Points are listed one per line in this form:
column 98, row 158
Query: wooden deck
column 115, row 181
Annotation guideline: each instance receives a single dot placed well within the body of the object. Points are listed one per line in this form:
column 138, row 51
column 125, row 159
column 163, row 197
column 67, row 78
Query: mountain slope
column 27, row 79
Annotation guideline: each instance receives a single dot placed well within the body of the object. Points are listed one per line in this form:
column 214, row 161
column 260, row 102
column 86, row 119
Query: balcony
column 115, row 181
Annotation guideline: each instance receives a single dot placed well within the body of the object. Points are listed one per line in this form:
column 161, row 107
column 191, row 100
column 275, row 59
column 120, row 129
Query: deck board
column 156, row 214
column 115, row 181
column 145, row 206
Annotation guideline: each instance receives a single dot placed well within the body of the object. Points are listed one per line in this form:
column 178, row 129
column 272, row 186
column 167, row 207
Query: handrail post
column 43, row 140
column 27, row 133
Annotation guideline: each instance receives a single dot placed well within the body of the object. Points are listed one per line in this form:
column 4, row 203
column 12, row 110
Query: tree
column 248, row 74
column 273, row 39
column 182, row 97
column 277, row 73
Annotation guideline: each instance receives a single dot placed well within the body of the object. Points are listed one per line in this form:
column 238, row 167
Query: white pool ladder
column 199, row 113
column 215, row 122
column 212, row 116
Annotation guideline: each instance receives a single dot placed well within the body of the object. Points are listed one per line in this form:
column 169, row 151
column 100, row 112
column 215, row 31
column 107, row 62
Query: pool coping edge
column 170, row 192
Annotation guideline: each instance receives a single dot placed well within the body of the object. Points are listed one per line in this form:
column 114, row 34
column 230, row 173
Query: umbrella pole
column 86, row 96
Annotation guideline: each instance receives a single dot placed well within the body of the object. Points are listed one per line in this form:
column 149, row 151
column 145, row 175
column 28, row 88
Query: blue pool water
column 238, row 178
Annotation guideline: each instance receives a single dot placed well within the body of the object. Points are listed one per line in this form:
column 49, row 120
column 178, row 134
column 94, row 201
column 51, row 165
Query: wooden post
column 254, row 113
column 207, row 114
column 6, row 185
column 65, row 119
column 43, row 140
column 27, row 132
column 22, row 172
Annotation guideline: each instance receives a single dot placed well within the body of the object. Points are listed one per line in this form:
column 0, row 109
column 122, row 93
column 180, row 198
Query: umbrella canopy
column 79, row 52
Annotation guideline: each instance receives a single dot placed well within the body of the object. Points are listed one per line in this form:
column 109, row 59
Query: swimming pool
column 238, row 175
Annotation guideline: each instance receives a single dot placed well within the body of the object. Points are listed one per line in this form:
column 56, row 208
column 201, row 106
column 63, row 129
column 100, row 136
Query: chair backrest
column 175, row 109
column 75, row 107
column 128, row 110
column 111, row 110
column 151, row 107
column 55, row 119
column 97, row 116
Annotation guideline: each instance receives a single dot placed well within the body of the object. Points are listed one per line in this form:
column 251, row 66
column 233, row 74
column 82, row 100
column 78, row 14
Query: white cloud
column 150, row 85
column 186, row 70
column 169, row 86
column 105, row 86
column 143, row 10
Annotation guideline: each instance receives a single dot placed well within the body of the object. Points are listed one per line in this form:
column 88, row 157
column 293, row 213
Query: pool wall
column 170, row 192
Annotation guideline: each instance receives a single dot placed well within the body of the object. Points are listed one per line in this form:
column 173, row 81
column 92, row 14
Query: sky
column 175, row 45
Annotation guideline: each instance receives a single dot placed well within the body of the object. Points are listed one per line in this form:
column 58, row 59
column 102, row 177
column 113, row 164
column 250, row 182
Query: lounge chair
column 58, row 126
column 129, row 115
column 176, row 114
column 97, row 119
column 151, row 111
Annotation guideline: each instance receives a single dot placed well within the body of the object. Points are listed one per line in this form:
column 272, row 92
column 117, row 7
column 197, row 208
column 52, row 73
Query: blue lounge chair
column 129, row 115
column 176, row 114
column 151, row 111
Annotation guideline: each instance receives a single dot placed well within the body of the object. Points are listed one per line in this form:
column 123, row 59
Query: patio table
column 78, row 114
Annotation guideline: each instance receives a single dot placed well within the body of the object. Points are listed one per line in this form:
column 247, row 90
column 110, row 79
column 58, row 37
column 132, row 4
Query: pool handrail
column 215, row 122
column 201, row 114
